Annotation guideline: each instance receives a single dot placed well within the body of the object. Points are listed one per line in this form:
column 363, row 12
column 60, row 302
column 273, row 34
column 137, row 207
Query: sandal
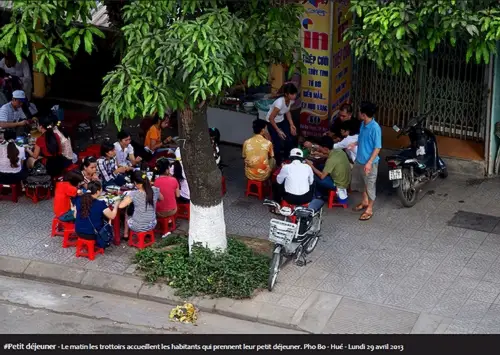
column 359, row 208
column 365, row 216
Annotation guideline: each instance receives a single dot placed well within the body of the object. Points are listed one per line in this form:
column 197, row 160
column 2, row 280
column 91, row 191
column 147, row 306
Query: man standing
column 20, row 69
column 366, row 164
column 344, row 115
column 11, row 112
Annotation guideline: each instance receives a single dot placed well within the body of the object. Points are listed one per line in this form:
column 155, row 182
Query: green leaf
column 88, row 41
column 76, row 44
column 400, row 32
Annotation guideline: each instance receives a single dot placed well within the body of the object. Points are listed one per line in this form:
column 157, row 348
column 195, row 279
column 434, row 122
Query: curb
column 135, row 287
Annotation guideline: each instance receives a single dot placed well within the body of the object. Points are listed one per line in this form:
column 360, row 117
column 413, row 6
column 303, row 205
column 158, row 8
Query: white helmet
column 296, row 152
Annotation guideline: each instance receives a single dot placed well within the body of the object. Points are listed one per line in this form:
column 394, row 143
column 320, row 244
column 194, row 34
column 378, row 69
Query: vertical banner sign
column 316, row 40
column 342, row 61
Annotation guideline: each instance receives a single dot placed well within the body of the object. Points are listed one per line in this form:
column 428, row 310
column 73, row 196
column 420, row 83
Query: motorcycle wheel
column 311, row 244
column 274, row 269
column 407, row 196
column 443, row 174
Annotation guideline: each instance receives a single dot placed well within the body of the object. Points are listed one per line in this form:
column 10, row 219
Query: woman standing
column 280, row 129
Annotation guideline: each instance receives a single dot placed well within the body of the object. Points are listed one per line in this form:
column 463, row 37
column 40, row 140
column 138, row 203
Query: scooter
column 295, row 236
column 416, row 165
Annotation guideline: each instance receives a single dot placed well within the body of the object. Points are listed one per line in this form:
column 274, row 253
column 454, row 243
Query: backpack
column 38, row 177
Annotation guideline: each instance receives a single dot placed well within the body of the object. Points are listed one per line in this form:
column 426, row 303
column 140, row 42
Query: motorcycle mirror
column 396, row 128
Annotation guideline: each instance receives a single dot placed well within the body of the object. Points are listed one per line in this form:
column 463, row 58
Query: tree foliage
column 60, row 27
column 397, row 33
column 180, row 54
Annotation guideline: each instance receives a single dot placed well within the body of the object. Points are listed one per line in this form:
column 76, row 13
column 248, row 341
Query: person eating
column 124, row 151
column 258, row 154
column 88, row 169
column 111, row 173
column 153, row 140
column 10, row 113
column 296, row 179
column 12, row 158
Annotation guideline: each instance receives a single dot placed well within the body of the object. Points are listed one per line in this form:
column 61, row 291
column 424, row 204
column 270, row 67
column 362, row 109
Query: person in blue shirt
column 367, row 159
column 90, row 212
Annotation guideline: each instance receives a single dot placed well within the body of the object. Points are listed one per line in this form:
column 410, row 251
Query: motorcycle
column 416, row 165
column 295, row 236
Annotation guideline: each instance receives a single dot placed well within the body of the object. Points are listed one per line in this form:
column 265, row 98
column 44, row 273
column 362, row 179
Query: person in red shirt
column 169, row 188
column 65, row 191
column 48, row 145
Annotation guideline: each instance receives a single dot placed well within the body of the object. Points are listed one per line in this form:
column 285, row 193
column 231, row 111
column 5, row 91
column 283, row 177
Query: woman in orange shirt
column 153, row 140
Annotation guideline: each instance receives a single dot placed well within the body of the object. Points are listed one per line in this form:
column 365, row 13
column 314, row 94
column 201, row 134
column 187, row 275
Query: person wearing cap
column 10, row 113
column 297, row 178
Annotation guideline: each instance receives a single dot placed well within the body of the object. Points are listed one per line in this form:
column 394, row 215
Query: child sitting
column 65, row 191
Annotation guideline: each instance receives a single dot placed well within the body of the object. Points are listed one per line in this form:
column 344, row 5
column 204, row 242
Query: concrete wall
column 495, row 112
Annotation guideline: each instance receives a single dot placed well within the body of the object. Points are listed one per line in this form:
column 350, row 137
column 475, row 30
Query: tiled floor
column 403, row 261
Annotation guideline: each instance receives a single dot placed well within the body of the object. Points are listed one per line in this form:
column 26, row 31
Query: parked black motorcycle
column 412, row 167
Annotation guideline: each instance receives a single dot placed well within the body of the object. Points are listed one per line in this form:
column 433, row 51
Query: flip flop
column 365, row 216
column 360, row 208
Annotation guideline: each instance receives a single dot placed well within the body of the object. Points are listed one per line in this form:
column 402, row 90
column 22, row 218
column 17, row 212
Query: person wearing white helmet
column 297, row 179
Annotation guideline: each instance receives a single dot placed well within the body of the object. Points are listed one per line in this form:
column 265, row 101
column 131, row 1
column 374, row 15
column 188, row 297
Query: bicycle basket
column 282, row 232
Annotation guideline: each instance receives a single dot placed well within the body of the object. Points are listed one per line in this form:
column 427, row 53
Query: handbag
column 103, row 237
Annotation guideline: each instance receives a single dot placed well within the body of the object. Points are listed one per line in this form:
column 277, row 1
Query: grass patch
column 237, row 273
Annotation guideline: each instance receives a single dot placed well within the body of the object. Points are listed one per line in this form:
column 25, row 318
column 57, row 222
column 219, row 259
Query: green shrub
column 237, row 273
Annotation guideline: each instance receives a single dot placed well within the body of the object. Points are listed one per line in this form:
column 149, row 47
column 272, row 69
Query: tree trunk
column 206, row 224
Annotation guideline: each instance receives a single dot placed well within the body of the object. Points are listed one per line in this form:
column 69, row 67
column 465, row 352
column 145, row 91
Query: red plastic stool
column 331, row 200
column 15, row 191
column 138, row 239
column 183, row 210
column 70, row 239
column 87, row 249
column 260, row 186
column 223, row 182
column 166, row 225
column 38, row 193
column 293, row 219
column 59, row 227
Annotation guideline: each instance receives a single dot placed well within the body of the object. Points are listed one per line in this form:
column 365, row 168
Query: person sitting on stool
column 297, row 179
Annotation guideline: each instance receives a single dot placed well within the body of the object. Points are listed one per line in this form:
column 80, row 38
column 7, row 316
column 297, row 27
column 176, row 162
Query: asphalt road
column 29, row 307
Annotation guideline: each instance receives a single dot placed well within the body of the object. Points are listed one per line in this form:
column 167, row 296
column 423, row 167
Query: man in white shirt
column 297, row 178
column 348, row 142
column 11, row 112
column 22, row 70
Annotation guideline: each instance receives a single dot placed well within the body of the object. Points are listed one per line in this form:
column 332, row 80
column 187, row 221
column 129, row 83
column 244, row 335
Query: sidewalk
column 405, row 271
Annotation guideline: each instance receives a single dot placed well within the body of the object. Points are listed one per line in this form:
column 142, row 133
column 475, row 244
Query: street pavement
column 404, row 271
column 28, row 307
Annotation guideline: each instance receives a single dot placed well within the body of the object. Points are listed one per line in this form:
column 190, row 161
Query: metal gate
column 453, row 91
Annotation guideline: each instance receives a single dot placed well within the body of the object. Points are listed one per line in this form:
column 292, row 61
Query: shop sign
column 342, row 60
column 316, row 40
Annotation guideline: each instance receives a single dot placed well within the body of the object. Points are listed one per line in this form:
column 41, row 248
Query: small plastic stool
column 38, row 193
column 260, row 186
column 332, row 203
column 165, row 225
column 138, row 239
column 70, row 239
column 15, row 191
column 59, row 227
column 223, row 182
column 87, row 249
column 183, row 211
